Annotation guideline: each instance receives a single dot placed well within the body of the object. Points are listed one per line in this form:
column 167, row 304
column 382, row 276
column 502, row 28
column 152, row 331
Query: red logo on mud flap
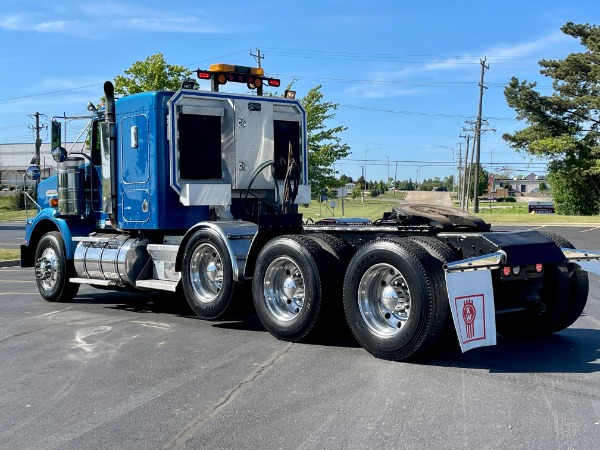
column 469, row 313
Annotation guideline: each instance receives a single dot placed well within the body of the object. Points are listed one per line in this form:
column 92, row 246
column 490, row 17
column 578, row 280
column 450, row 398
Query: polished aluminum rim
column 206, row 272
column 46, row 269
column 384, row 300
column 283, row 288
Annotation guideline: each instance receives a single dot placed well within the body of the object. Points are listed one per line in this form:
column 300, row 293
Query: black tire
column 387, row 331
column 550, row 313
column 340, row 254
column 53, row 270
column 287, row 286
column 578, row 285
column 436, row 248
column 207, row 275
column 444, row 254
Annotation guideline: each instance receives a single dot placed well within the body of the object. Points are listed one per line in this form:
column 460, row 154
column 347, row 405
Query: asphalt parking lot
column 130, row 371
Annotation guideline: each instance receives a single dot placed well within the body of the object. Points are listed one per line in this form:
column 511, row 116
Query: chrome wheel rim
column 206, row 272
column 47, row 268
column 283, row 288
column 384, row 300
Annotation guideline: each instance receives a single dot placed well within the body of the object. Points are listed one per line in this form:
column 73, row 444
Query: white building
column 16, row 158
column 521, row 185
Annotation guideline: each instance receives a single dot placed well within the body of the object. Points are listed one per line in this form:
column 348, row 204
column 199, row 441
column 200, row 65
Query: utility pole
column 459, row 168
column 484, row 66
column 38, row 141
column 466, row 178
column 257, row 57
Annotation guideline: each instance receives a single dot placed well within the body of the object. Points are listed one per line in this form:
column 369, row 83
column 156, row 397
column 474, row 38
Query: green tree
column 152, row 74
column 564, row 126
column 483, row 181
column 324, row 144
column 345, row 179
column 361, row 182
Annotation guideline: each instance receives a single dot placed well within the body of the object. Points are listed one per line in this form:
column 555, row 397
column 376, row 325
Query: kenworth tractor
column 198, row 191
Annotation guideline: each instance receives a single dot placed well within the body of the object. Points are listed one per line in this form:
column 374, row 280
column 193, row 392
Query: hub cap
column 384, row 300
column 206, row 272
column 283, row 288
column 46, row 269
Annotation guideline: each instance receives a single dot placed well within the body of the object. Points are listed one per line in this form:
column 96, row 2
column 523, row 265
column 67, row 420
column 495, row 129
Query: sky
column 405, row 75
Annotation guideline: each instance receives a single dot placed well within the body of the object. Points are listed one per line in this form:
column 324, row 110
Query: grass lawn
column 6, row 209
column 9, row 254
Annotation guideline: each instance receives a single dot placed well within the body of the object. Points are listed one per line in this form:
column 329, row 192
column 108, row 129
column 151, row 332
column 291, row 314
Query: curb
column 10, row 263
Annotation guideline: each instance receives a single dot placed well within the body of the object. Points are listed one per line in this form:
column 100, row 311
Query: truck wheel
column 444, row 254
column 549, row 312
column 578, row 285
column 207, row 275
column 340, row 253
column 394, row 298
column 287, row 286
column 436, row 248
column 53, row 270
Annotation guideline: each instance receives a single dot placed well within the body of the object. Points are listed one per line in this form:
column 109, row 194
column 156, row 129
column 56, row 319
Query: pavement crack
column 180, row 440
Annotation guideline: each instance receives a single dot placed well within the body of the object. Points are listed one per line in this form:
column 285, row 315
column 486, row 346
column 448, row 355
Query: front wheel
column 394, row 298
column 53, row 270
column 207, row 275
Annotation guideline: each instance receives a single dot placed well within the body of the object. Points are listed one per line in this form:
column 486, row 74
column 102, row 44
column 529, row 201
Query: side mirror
column 33, row 173
column 59, row 154
column 55, row 134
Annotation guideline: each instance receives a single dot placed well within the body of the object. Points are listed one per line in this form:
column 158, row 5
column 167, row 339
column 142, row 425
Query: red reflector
column 274, row 82
column 539, row 267
column 203, row 75
column 506, row 271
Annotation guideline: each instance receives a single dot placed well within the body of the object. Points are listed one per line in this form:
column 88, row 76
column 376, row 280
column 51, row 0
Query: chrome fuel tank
column 119, row 258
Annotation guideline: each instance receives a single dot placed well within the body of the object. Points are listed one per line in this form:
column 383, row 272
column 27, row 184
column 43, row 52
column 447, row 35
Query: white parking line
column 590, row 229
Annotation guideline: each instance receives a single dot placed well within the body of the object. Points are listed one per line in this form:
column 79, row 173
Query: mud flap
column 471, row 296
column 472, row 306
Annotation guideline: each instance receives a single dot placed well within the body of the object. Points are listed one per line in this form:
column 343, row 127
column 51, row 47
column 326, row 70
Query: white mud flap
column 472, row 305
column 471, row 296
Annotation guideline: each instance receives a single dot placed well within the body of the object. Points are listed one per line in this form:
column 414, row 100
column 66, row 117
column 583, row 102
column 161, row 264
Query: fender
column 237, row 237
column 46, row 220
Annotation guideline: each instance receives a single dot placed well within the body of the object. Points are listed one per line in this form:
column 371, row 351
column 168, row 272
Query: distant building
column 520, row 185
column 16, row 158
column 345, row 190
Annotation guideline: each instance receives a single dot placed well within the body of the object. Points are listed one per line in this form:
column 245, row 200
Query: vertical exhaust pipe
column 109, row 156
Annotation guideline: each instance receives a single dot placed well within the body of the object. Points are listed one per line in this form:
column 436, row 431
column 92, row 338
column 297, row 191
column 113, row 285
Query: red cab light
column 274, row 82
column 203, row 74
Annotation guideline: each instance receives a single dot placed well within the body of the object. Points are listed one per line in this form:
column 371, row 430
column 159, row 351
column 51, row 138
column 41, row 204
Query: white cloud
column 502, row 54
column 173, row 25
column 375, row 91
column 110, row 17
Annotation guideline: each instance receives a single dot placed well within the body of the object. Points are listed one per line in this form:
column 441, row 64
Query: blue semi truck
column 197, row 192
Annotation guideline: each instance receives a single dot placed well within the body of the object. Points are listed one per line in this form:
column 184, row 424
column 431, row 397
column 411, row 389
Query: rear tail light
column 539, row 267
column 506, row 271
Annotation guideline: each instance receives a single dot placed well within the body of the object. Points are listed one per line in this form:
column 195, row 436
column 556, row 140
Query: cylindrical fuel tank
column 120, row 258
column 71, row 201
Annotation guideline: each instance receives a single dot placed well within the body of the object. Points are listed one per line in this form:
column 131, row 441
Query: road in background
column 11, row 234
column 429, row 198
column 120, row 370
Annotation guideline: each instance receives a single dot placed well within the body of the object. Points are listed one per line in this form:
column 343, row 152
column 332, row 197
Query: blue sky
column 405, row 74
